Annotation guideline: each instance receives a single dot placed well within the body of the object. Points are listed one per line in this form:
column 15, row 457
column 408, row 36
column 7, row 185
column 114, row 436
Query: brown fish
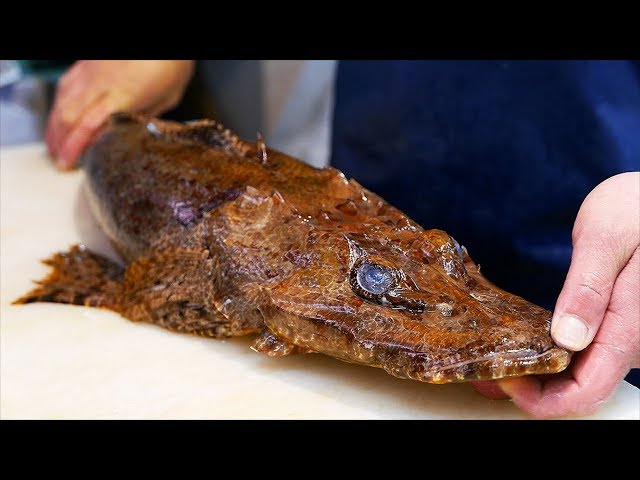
column 223, row 237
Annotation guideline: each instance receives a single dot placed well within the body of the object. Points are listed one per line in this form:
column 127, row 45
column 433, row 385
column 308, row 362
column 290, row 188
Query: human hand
column 91, row 90
column 597, row 313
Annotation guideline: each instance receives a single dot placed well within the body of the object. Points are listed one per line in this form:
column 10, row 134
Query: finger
column 490, row 389
column 597, row 373
column 71, row 74
column 602, row 245
column 65, row 114
column 61, row 120
column 621, row 326
column 83, row 132
column 56, row 131
column 159, row 107
column 69, row 105
column 53, row 129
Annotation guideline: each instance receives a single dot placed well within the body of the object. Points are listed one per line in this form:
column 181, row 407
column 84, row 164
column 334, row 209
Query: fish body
column 223, row 237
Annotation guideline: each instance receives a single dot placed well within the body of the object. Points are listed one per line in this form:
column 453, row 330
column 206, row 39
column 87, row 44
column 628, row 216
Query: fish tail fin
column 79, row 277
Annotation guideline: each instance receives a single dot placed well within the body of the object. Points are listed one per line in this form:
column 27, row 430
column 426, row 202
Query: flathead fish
column 224, row 237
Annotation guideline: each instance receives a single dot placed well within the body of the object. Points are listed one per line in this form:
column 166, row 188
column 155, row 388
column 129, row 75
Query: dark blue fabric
column 500, row 154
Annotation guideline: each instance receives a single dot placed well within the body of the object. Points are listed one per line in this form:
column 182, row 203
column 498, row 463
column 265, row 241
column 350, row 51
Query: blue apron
column 500, row 154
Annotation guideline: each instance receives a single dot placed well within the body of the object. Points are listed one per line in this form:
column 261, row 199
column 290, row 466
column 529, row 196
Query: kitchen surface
column 72, row 362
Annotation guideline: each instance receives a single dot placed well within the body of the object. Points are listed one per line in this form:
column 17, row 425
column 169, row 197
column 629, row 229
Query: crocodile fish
column 224, row 237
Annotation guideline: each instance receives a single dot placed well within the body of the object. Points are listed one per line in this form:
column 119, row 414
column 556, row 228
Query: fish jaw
column 490, row 367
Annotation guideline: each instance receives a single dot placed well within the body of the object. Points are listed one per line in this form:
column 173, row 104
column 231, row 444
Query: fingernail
column 570, row 332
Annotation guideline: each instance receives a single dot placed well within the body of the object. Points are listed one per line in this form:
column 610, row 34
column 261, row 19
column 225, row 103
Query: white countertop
column 60, row 361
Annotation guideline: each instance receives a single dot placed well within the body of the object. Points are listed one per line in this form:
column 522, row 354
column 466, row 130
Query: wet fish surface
column 223, row 237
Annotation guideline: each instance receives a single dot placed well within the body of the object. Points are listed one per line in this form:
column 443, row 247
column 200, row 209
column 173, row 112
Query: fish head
column 414, row 303
column 356, row 279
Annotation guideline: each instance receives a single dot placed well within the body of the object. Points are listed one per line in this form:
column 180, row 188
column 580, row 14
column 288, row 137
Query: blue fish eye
column 374, row 278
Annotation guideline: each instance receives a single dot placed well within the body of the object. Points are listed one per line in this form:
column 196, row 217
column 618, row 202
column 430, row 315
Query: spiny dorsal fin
column 206, row 132
column 262, row 149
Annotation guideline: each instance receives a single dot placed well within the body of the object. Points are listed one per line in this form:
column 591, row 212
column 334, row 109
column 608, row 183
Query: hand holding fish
column 598, row 311
column 91, row 90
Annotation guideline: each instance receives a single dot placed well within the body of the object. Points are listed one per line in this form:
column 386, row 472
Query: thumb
column 604, row 238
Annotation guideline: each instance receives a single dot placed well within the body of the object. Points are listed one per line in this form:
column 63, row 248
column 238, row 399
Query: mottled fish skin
column 225, row 237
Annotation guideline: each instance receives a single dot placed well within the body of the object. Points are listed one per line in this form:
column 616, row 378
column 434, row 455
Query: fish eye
column 373, row 278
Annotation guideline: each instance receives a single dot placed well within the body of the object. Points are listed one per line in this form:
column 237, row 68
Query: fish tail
column 79, row 277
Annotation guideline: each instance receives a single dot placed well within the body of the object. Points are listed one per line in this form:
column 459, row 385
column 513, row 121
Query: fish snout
column 502, row 365
column 477, row 339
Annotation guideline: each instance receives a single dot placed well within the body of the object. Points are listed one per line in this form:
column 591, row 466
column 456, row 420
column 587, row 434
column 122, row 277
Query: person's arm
column 93, row 89
column 597, row 314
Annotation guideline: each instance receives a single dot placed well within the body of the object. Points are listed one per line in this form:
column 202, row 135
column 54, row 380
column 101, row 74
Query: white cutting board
column 60, row 361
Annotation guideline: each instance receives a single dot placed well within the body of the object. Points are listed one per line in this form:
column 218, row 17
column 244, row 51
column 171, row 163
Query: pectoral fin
column 171, row 288
column 273, row 346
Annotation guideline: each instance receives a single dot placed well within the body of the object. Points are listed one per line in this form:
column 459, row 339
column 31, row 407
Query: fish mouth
column 501, row 365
